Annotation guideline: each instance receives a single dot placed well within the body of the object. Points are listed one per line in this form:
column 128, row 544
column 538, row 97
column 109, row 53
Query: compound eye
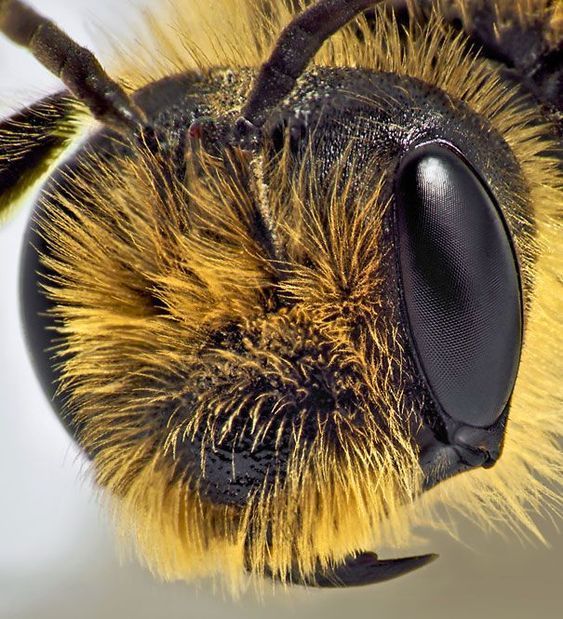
column 460, row 285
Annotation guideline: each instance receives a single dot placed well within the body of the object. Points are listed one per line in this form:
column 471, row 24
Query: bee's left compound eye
column 460, row 285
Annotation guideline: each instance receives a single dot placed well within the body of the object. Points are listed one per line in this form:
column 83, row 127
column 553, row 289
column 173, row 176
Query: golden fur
column 206, row 268
column 19, row 136
column 215, row 274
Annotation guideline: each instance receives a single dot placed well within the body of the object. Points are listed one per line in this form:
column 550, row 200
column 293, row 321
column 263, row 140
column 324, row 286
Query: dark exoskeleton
column 437, row 167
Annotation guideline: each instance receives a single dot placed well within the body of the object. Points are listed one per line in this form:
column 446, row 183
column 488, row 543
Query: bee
column 297, row 289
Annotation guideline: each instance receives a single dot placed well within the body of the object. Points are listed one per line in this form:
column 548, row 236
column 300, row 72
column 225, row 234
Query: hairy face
column 235, row 347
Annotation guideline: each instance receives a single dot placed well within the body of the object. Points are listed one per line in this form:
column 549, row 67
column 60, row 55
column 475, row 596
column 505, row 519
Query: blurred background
column 58, row 557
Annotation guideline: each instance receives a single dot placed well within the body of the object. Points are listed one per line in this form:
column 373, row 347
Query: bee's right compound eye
column 460, row 285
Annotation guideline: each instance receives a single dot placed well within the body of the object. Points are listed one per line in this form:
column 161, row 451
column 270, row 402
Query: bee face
column 269, row 348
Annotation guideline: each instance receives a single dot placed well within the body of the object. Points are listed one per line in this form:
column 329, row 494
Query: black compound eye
column 461, row 286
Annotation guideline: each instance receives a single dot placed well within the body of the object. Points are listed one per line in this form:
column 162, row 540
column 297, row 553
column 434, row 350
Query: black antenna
column 76, row 66
column 296, row 47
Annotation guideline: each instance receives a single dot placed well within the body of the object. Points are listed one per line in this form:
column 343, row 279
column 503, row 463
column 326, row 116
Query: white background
column 57, row 554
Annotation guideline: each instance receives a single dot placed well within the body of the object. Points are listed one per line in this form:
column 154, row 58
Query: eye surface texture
column 460, row 284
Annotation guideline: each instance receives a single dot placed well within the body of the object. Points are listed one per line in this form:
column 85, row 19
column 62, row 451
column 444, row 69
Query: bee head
column 278, row 331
